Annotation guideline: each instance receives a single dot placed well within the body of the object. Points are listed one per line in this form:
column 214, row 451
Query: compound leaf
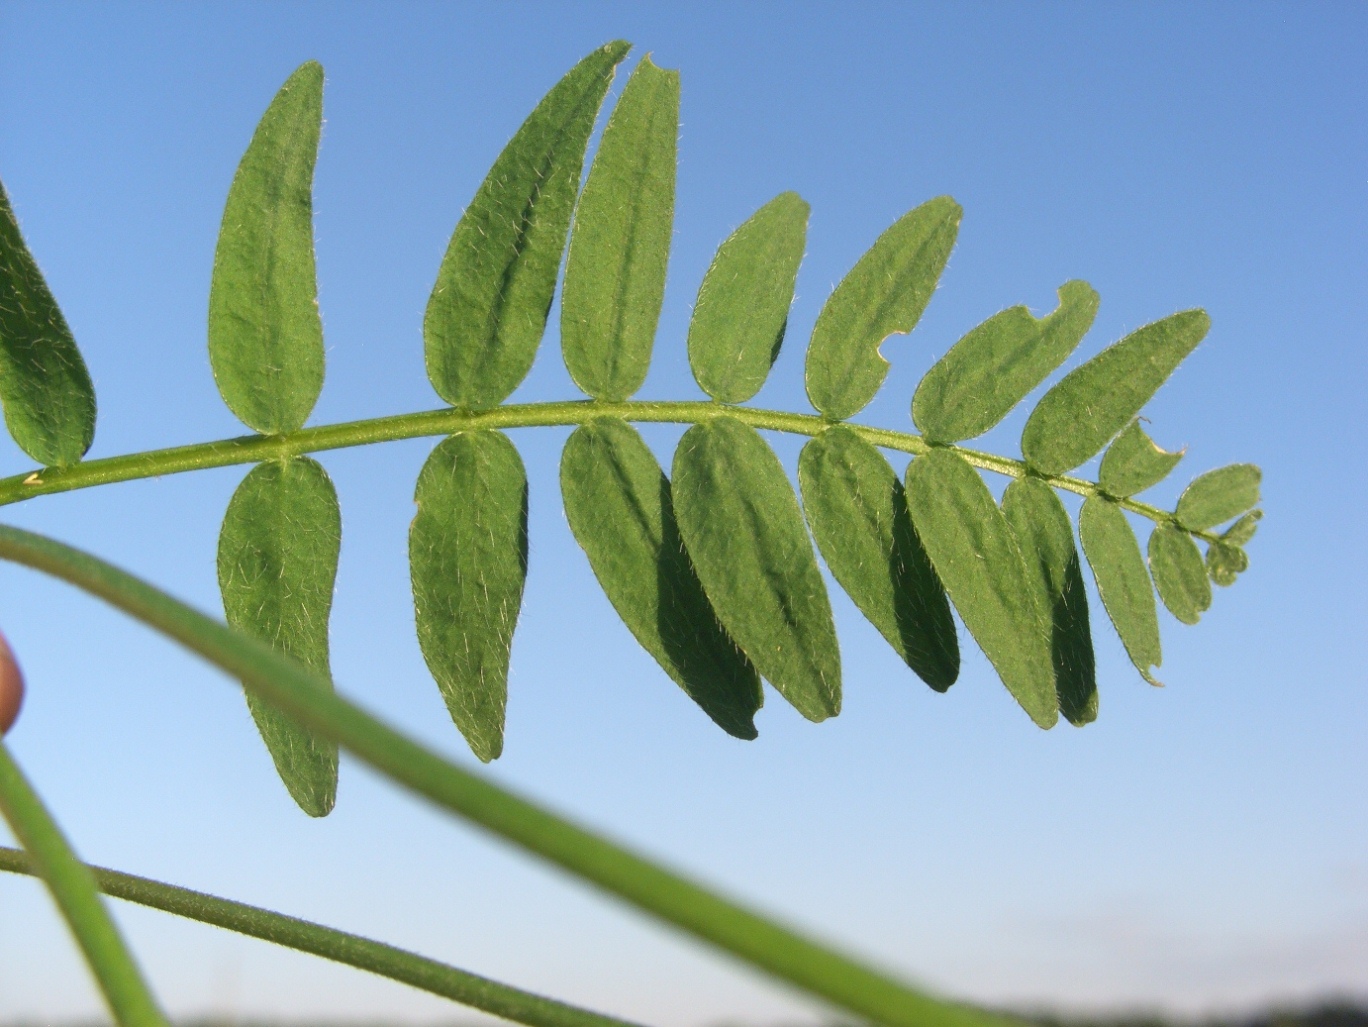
column 885, row 293
column 976, row 555
column 1093, row 402
column 619, row 506
column 488, row 308
column 1243, row 530
column 1045, row 535
column 857, row 510
column 46, row 391
column 1133, row 463
column 1225, row 562
column 992, row 369
column 1119, row 569
column 743, row 304
column 1216, row 496
column 468, row 559
column 744, row 531
column 1179, row 574
column 277, row 563
column 615, row 273
column 265, row 334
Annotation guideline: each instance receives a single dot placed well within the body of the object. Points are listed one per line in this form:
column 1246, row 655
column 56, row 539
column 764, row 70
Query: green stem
column 811, row 966
column 376, row 957
column 254, row 448
column 74, row 891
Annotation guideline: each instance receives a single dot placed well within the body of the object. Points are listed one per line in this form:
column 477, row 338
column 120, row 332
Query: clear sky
column 1203, row 846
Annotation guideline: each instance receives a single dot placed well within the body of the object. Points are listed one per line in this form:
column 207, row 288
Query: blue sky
column 1204, row 846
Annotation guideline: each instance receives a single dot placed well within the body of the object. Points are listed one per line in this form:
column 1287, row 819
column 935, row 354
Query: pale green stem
column 814, row 967
column 73, row 890
column 364, row 954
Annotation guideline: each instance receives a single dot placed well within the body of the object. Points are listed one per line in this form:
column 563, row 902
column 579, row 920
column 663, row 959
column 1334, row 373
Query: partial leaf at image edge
column 1123, row 581
column 976, row 556
column 468, row 560
column 995, row 366
column 741, row 313
column 1218, row 496
column 277, row 565
column 620, row 242
column 45, row 388
column 265, row 332
column 744, row 532
column 618, row 502
column 1180, row 575
column 857, row 510
column 1133, row 463
column 1045, row 534
column 884, row 294
column 488, row 308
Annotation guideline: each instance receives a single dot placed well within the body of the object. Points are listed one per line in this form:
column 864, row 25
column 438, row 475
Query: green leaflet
column 277, row 562
column 1093, row 402
column 620, row 246
column 468, row 559
column 44, row 386
column 1217, row 496
column 977, row 557
column 618, row 503
column 1243, row 530
column 1179, row 574
column 1134, row 463
column 488, row 309
column 743, row 529
column 265, row 334
column 885, row 293
column 858, row 514
column 1122, row 581
column 991, row 370
column 743, row 304
column 1225, row 563
column 1045, row 535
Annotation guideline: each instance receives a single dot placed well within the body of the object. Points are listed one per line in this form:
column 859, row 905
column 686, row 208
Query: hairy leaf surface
column 619, row 505
column 277, row 563
column 858, row 513
column 991, row 370
column 468, row 559
column 620, row 246
column 488, row 309
column 1079, row 416
column 44, row 385
column 1225, row 562
column 1179, row 574
column 743, row 304
column 976, row 555
column 1122, row 581
column 885, row 293
column 265, row 333
column 1045, row 535
column 743, row 529
column 1134, row 463
column 1216, row 496
column 1243, row 530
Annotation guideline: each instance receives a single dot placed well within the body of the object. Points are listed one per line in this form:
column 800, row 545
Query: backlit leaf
column 1243, row 530
column 1225, row 563
column 858, row 514
column 1217, row 496
column 277, row 563
column 1079, row 416
column 743, row 529
column 265, row 334
column 1122, row 581
column 976, row 555
column 619, row 506
column 1179, row 574
column 44, row 386
column 991, row 370
column 468, row 559
column 488, row 309
column 1133, row 463
column 1045, row 535
column 743, row 304
column 885, row 293
column 620, row 246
